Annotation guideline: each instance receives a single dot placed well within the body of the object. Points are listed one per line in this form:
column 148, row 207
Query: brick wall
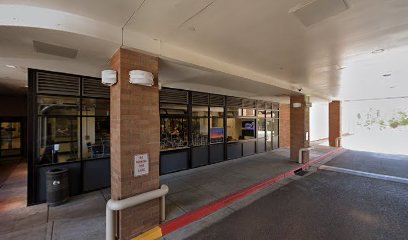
column 135, row 126
column 299, row 127
column 284, row 125
column 334, row 122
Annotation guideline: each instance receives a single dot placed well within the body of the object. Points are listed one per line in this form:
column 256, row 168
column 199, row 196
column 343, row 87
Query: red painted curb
column 199, row 213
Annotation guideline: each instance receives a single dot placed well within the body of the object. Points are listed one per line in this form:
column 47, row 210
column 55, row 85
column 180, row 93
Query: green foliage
column 373, row 119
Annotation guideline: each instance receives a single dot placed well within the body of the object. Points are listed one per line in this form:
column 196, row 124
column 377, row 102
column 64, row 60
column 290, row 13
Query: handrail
column 337, row 141
column 301, row 155
column 117, row 205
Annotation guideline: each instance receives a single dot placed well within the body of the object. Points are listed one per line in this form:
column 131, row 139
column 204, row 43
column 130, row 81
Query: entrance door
column 10, row 139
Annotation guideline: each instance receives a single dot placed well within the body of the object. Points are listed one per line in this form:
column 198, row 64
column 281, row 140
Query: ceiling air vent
column 217, row 100
column 169, row 95
column 260, row 104
column 55, row 50
column 59, row 84
column 234, row 102
column 268, row 105
column 200, row 98
column 318, row 10
column 248, row 103
column 92, row 87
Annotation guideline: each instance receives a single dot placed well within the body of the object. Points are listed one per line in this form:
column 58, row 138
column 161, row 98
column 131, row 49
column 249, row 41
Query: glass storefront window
column 275, row 127
column 217, row 112
column 261, row 113
column 269, row 133
column 240, row 129
column 261, row 128
column 217, row 130
column 48, row 105
column 58, row 139
column 233, row 112
column 199, row 131
column 275, row 114
column 173, row 133
column 173, row 109
column 95, row 107
column 95, row 137
column 10, row 139
column 200, row 111
column 246, row 112
column 248, row 129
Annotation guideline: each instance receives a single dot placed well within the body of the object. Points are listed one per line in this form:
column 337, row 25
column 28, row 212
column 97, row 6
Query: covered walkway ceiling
column 349, row 49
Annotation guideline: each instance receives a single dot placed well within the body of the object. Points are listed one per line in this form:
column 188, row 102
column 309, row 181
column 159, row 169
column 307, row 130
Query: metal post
column 117, row 205
column 110, row 224
column 163, row 208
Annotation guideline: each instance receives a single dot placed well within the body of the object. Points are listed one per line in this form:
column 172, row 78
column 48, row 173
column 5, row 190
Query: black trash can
column 57, row 186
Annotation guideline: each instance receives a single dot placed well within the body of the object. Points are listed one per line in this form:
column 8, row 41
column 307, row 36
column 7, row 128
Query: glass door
column 10, row 139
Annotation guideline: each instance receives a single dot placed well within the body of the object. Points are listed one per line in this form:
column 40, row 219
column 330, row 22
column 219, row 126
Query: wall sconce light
column 109, row 77
column 297, row 105
column 141, row 77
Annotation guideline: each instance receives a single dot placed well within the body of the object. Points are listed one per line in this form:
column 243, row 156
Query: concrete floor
column 13, row 185
column 83, row 217
column 195, row 188
column 326, row 205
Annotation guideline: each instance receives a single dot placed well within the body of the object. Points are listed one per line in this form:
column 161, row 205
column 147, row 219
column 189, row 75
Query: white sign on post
column 141, row 165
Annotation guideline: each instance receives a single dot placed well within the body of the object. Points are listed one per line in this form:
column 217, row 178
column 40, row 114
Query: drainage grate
column 300, row 172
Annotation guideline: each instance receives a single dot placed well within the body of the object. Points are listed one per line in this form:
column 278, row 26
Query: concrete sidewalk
column 83, row 217
column 195, row 188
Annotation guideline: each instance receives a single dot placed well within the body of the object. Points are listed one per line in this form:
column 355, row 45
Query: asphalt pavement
column 326, row 205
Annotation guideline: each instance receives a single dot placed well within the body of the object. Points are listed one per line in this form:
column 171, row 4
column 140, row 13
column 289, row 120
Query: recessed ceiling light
column 10, row 66
column 387, row 75
column 26, row 86
column 378, row 51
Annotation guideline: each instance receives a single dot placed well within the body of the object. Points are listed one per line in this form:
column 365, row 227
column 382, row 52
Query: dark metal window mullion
column 189, row 129
column 81, row 182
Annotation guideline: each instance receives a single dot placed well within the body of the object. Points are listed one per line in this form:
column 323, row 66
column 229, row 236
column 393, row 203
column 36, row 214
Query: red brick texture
column 135, row 126
column 299, row 127
column 334, row 122
column 284, row 125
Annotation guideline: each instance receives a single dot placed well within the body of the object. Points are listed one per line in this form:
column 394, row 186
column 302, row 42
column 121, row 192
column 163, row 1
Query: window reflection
column 240, row 129
column 58, row 139
column 95, row 137
column 57, row 105
column 174, row 133
column 217, row 130
column 261, row 128
column 199, row 125
column 95, row 107
column 217, row 124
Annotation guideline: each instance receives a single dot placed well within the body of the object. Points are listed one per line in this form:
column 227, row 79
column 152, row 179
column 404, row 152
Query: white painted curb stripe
column 365, row 174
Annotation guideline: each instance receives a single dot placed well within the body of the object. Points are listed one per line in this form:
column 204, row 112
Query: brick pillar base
column 284, row 125
column 334, row 122
column 299, row 128
column 135, row 123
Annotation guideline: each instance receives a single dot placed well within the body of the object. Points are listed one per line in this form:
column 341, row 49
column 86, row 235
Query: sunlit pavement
column 392, row 141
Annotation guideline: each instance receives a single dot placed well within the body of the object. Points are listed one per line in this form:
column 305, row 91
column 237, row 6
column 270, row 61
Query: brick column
column 135, row 129
column 334, row 122
column 299, row 128
column 284, row 125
